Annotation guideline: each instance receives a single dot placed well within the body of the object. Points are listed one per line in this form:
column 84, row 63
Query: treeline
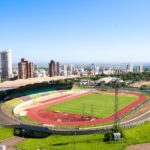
column 134, row 76
column 145, row 87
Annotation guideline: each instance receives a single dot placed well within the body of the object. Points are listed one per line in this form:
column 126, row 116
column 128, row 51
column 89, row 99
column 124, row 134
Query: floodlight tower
column 116, row 105
column 116, row 85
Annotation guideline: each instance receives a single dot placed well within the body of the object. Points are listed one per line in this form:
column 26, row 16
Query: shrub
column 108, row 136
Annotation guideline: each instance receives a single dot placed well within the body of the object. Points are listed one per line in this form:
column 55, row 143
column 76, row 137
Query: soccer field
column 98, row 105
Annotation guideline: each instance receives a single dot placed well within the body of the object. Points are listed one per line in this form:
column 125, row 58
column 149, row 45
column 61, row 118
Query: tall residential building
column 139, row 68
column 54, row 68
column 25, row 69
column 58, row 68
column 65, row 73
column 6, row 64
column 30, row 70
column 93, row 67
column 129, row 68
column 70, row 69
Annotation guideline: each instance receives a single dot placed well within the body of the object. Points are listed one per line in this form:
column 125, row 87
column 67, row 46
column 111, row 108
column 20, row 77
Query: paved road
column 138, row 119
column 11, row 142
column 139, row 147
column 5, row 120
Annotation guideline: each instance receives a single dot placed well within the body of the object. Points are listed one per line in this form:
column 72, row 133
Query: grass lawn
column 139, row 134
column 98, row 105
column 5, row 133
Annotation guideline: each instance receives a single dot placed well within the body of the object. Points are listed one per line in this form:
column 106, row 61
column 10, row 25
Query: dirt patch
column 139, row 84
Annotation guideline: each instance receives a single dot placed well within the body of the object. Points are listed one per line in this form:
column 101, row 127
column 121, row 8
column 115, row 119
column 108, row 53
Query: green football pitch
column 98, row 105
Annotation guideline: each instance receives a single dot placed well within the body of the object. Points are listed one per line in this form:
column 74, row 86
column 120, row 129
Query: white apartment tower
column 6, row 64
column 129, row 68
column 65, row 70
column 139, row 68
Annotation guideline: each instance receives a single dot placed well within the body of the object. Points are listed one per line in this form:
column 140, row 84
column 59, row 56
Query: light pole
column 116, row 106
column 116, row 86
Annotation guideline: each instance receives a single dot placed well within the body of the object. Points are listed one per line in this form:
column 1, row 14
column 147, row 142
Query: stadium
column 79, row 108
column 61, row 115
column 61, row 106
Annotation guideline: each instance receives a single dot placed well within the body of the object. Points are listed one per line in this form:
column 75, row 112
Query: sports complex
column 80, row 108
column 71, row 108
column 51, row 110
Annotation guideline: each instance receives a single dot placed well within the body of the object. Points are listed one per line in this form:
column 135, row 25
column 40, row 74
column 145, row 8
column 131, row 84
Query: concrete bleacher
column 32, row 95
column 21, row 109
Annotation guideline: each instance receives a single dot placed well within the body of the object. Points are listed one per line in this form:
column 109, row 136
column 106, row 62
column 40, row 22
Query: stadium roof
column 23, row 82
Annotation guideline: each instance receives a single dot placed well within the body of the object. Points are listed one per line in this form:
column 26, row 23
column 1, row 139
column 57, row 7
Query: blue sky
column 76, row 30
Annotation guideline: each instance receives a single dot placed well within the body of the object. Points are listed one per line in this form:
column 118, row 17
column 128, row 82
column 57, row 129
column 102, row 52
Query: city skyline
column 76, row 31
column 46, row 64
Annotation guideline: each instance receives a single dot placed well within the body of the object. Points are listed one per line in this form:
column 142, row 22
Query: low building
column 109, row 79
column 40, row 73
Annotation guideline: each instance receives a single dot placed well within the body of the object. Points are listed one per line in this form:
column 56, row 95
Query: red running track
column 68, row 119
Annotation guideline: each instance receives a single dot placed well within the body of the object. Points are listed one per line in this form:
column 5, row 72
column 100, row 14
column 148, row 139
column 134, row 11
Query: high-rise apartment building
column 25, row 69
column 71, row 69
column 139, row 68
column 65, row 73
column 54, row 68
column 129, row 68
column 6, row 64
column 58, row 68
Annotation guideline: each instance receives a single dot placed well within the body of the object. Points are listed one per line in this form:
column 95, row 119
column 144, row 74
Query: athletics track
column 42, row 116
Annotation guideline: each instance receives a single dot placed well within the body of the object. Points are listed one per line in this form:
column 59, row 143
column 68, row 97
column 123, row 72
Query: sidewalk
column 11, row 142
